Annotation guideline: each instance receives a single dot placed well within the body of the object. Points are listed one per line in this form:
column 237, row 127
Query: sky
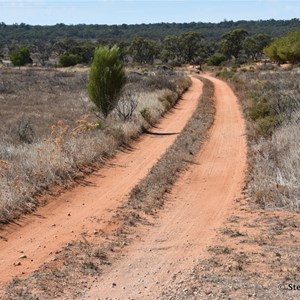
column 49, row 12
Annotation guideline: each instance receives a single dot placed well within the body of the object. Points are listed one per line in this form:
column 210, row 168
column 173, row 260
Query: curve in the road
column 37, row 237
column 198, row 205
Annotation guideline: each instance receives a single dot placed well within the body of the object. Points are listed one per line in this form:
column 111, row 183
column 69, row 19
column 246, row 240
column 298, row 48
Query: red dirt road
column 85, row 209
column 199, row 203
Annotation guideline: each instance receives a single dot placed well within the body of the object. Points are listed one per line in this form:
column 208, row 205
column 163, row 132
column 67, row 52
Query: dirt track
column 199, row 203
column 87, row 208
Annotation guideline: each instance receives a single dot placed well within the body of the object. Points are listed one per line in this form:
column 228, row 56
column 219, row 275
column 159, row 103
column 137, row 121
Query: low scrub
column 68, row 60
column 271, row 101
column 89, row 259
column 56, row 137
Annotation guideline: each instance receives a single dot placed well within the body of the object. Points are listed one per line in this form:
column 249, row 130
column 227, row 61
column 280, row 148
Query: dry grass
column 275, row 171
column 256, row 252
column 64, row 275
column 49, row 134
column 271, row 101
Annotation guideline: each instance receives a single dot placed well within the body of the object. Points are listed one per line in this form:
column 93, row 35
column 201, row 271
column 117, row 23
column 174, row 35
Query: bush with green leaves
column 21, row 57
column 285, row 49
column 107, row 78
column 69, row 60
column 146, row 114
column 216, row 59
column 259, row 110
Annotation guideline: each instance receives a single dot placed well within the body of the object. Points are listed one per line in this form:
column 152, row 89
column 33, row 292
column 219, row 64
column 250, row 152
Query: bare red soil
column 202, row 199
column 34, row 240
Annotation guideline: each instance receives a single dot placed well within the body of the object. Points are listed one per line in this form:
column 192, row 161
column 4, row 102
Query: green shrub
column 146, row 114
column 259, row 110
column 226, row 74
column 107, row 78
column 285, row 49
column 21, row 57
column 69, row 60
column 216, row 59
column 265, row 126
column 168, row 100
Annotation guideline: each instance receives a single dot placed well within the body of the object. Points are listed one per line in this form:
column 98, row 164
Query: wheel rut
column 199, row 203
column 34, row 239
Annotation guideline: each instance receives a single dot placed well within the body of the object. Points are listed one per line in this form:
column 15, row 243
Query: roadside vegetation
column 51, row 134
column 89, row 259
column 271, row 101
column 256, row 251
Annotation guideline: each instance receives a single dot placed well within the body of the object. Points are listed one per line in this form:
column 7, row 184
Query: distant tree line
column 190, row 47
column 23, row 33
column 193, row 47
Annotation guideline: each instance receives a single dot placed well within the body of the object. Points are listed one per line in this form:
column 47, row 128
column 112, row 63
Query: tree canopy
column 24, row 33
column 231, row 43
column 285, row 49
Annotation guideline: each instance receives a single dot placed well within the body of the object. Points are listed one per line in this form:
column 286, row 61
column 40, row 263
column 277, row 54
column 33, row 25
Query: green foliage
column 285, row 49
column 143, row 51
column 189, row 46
column 117, row 133
column 259, row 110
column 168, row 99
column 266, row 126
column 269, row 110
column 231, row 43
column 186, row 48
column 68, row 60
column 64, row 46
column 21, row 57
column 171, row 49
column 107, row 78
column 124, row 51
column 68, row 46
column 254, row 45
column 85, row 51
column 226, row 73
column 172, row 43
column 146, row 114
column 30, row 33
column 250, row 47
column 216, row 59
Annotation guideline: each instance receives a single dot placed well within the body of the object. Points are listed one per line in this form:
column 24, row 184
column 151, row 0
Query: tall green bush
column 107, row 78
column 285, row 49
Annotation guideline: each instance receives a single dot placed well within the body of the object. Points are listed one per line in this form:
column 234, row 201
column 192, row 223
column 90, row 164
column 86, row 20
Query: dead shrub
column 127, row 105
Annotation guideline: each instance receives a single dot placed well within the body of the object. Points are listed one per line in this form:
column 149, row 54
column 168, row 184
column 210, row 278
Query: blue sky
column 143, row 11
